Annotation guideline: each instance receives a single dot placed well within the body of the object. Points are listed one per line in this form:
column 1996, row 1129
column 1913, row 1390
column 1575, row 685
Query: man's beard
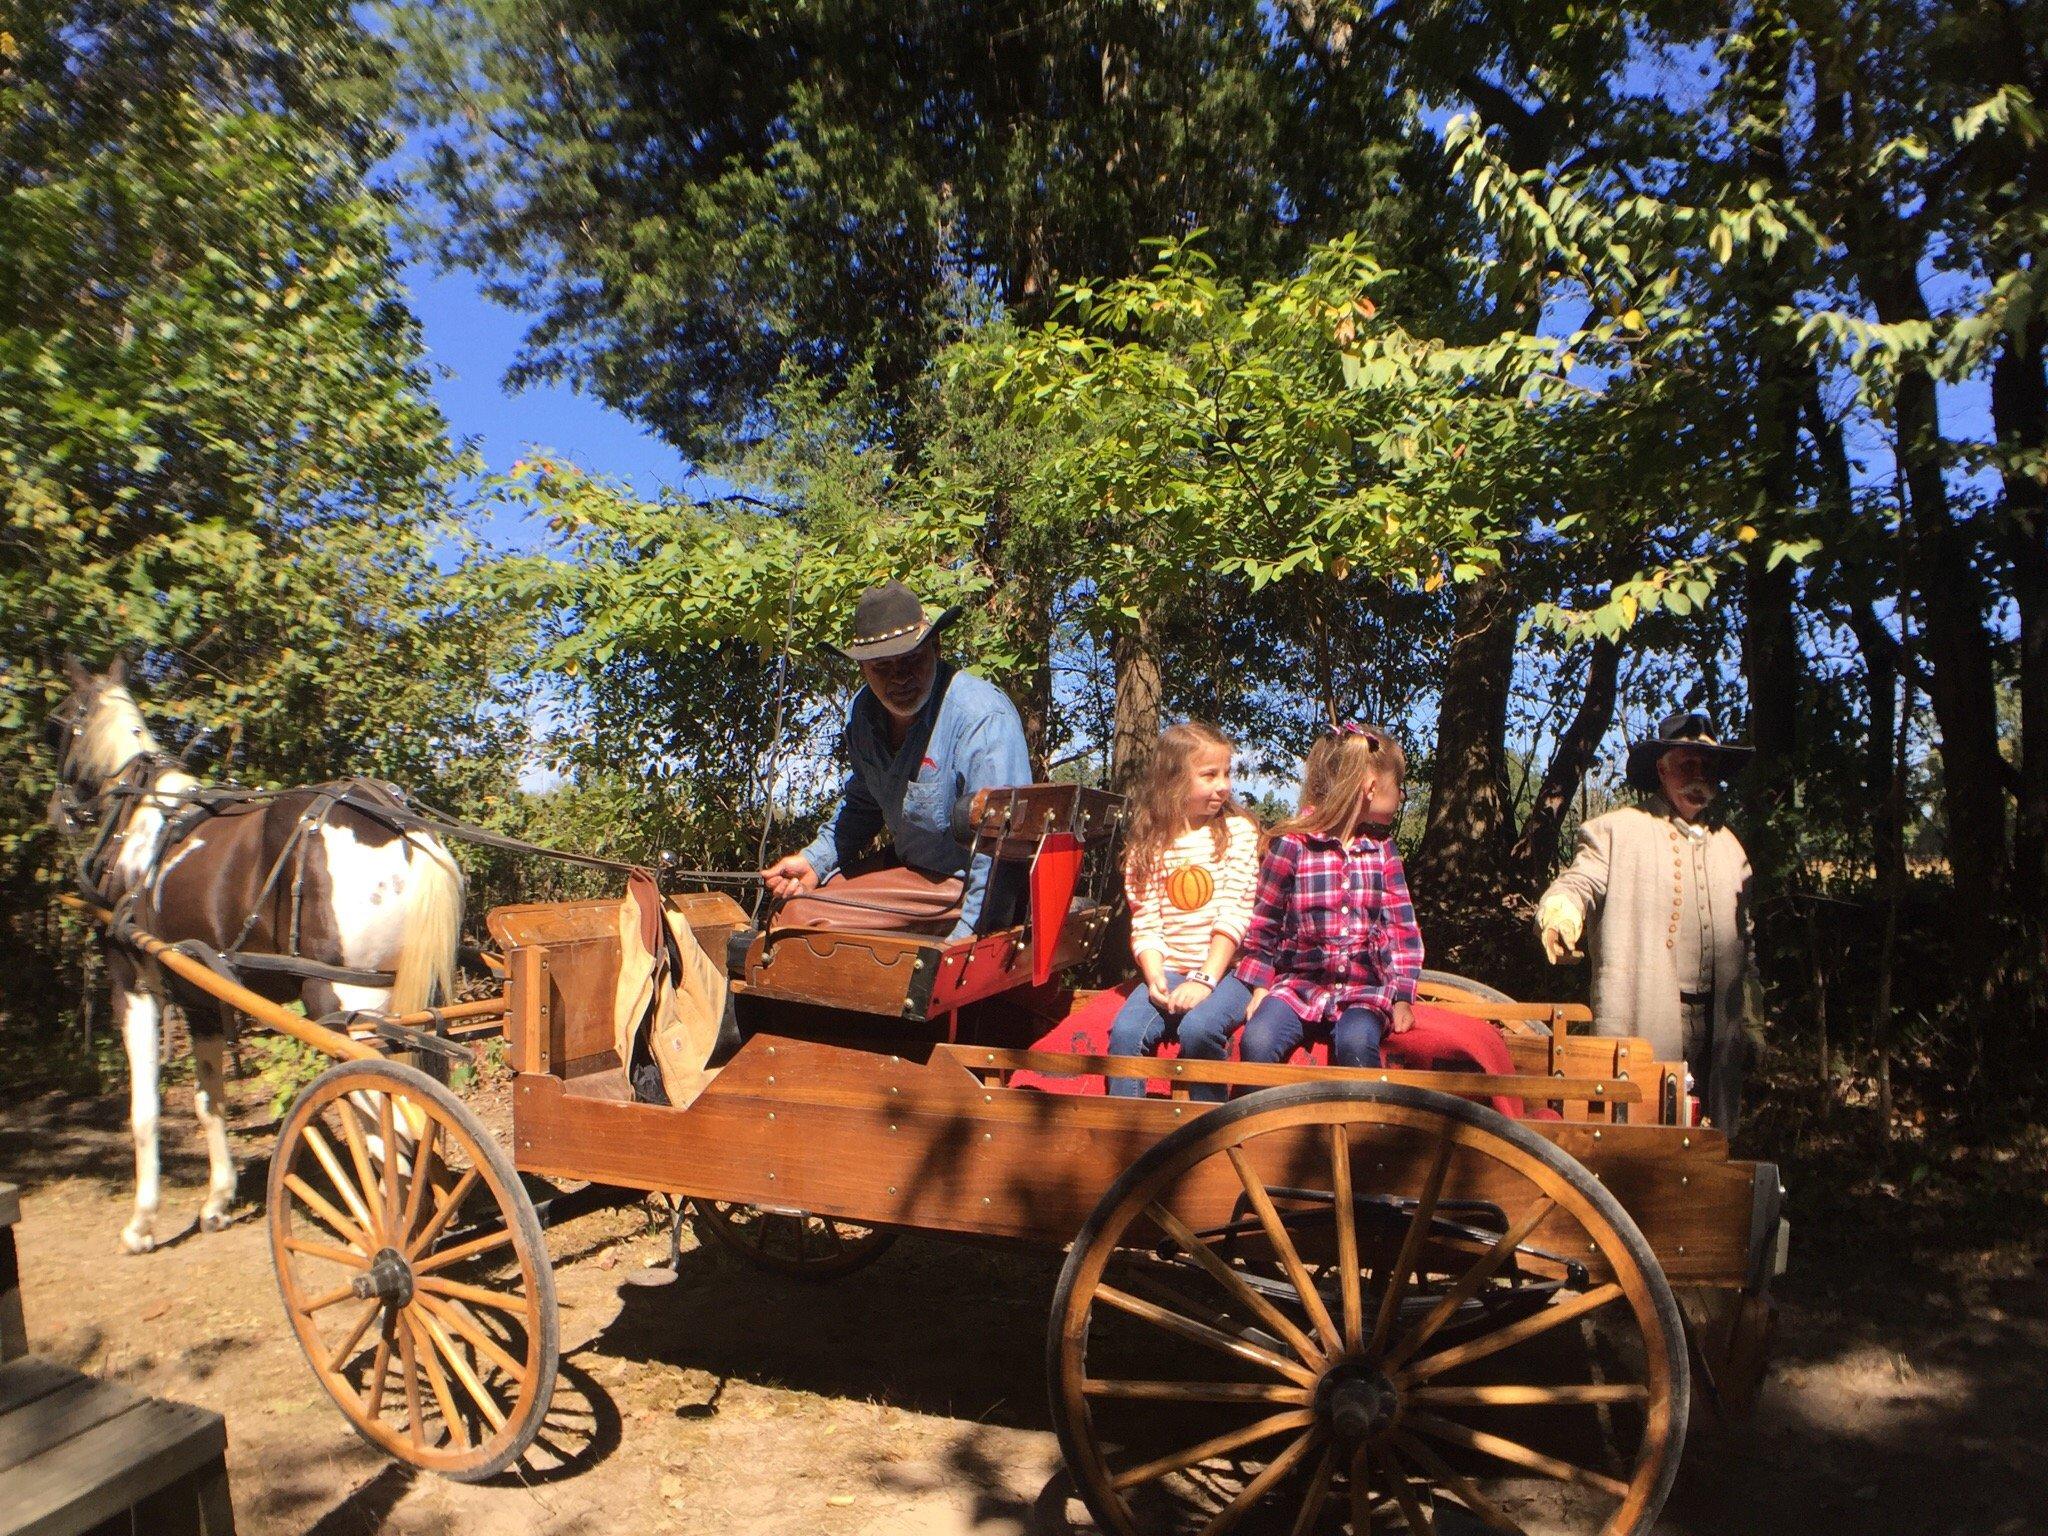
column 911, row 712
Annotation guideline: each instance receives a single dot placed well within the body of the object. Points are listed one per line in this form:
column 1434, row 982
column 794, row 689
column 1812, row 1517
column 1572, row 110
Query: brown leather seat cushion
column 898, row 900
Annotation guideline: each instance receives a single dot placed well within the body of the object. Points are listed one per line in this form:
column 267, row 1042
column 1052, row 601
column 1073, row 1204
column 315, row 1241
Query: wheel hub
column 1356, row 1402
column 389, row 1277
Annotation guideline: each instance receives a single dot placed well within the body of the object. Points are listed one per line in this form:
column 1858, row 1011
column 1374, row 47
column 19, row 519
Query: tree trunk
column 2019, row 410
column 1534, row 855
column 1134, row 651
column 1883, row 658
column 1463, row 855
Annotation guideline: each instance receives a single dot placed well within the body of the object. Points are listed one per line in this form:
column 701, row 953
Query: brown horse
column 314, row 874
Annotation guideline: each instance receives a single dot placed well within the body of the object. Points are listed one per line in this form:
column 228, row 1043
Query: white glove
column 1557, row 914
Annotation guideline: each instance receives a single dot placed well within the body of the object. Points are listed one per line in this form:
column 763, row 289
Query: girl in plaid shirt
column 1333, row 950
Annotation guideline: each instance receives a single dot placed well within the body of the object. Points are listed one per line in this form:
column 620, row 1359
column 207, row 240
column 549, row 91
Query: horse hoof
column 137, row 1239
column 215, row 1221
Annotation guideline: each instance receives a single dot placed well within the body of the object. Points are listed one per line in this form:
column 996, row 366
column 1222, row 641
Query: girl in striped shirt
column 1191, row 860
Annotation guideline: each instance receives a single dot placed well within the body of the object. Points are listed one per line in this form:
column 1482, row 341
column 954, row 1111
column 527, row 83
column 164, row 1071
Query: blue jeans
column 1203, row 1032
column 1275, row 1030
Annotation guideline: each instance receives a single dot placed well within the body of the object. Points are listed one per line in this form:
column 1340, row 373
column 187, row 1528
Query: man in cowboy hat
column 920, row 735
column 1667, row 897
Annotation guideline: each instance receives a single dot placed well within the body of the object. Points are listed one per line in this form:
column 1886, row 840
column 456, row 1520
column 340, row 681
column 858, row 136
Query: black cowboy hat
column 890, row 621
column 1686, row 728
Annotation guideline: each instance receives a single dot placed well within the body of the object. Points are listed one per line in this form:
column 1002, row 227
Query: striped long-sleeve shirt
column 1332, row 927
column 1188, row 895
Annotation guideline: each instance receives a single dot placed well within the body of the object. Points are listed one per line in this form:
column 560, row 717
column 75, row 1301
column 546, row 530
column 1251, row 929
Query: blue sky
column 470, row 343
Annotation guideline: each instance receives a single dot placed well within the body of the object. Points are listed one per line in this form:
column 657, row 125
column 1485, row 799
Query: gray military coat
column 1625, row 880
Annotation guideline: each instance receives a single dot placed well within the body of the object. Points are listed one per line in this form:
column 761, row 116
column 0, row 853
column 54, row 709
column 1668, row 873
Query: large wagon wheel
column 413, row 1269
column 1327, row 1355
column 1477, row 990
column 800, row 1244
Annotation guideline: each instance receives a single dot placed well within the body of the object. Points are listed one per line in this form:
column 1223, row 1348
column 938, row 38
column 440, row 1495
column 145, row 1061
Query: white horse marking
column 361, row 875
column 140, row 1015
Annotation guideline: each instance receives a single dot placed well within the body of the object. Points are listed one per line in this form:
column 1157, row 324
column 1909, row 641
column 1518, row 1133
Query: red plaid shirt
column 1332, row 927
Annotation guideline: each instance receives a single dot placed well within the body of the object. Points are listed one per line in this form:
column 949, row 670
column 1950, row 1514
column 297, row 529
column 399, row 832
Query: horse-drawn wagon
column 1343, row 1297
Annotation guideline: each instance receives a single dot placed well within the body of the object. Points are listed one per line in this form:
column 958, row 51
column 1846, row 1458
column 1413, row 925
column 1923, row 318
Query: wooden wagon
column 1345, row 1299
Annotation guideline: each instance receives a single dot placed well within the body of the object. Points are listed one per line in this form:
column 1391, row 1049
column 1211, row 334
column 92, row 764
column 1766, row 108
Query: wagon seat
column 1052, row 845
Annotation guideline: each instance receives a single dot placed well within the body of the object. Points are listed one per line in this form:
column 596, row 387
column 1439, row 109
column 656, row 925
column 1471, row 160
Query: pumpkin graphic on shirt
column 1190, row 887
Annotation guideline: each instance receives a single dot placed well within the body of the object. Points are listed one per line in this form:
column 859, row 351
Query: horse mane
column 113, row 735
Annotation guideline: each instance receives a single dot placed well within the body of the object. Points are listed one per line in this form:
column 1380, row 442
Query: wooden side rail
column 991, row 1066
column 1556, row 1015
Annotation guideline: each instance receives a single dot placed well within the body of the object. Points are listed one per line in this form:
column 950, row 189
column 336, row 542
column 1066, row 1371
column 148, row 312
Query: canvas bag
column 669, row 987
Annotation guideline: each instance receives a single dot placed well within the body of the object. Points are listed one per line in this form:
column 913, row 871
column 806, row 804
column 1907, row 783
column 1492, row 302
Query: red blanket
column 1443, row 1040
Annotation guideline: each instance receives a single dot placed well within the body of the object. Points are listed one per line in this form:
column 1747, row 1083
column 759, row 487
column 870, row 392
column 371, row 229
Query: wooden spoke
column 1202, row 1333
column 1361, row 1492
column 452, row 1316
column 414, row 1418
column 441, row 1217
column 423, row 1161
column 388, row 1130
column 355, row 1332
column 1419, row 1524
column 803, row 1236
column 1515, row 1453
column 1233, row 1282
column 327, row 1251
column 1226, row 1518
column 1555, row 1316
column 1529, row 1397
column 1215, row 1445
column 475, row 1295
column 358, row 1153
column 1469, row 1283
column 1461, row 1486
column 447, row 1258
column 373, row 1389
column 344, row 1185
column 345, row 1229
column 1411, row 1244
column 1347, row 1237
column 440, row 1340
column 458, row 1431
column 1318, row 1495
column 327, row 1299
column 1197, row 1391
column 1283, row 1245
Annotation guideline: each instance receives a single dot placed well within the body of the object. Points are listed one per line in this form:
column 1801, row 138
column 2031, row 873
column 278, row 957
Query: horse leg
column 209, row 1047
column 137, row 1000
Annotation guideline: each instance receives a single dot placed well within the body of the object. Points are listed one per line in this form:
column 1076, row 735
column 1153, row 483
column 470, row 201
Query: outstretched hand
column 1556, row 948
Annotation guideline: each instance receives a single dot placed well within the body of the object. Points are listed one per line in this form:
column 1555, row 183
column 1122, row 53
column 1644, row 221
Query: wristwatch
column 1204, row 978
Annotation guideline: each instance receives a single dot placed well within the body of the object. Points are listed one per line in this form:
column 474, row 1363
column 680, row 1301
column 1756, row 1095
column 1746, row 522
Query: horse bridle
column 72, row 811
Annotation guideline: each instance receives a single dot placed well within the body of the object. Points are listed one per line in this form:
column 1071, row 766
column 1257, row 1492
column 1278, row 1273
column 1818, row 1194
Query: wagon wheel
column 413, row 1269
column 1250, row 1324
column 800, row 1244
column 1477, row 990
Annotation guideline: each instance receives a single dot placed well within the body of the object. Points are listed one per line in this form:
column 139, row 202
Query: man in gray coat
column 1666, row 898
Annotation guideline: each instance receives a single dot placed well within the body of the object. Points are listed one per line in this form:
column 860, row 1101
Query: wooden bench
column 13, row 1330
column 84, row 1456
column 79, row 1455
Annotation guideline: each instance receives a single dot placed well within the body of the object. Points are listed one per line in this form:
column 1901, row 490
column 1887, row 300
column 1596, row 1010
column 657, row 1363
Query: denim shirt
column 967, row 737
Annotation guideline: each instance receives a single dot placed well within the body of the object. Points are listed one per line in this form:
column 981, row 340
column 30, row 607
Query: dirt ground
column 909, row 1398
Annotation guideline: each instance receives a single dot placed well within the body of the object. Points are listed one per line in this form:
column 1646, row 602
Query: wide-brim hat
column 890, row 621
column 1686, row 728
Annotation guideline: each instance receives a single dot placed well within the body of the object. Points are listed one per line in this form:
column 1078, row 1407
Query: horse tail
column 433, row 923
